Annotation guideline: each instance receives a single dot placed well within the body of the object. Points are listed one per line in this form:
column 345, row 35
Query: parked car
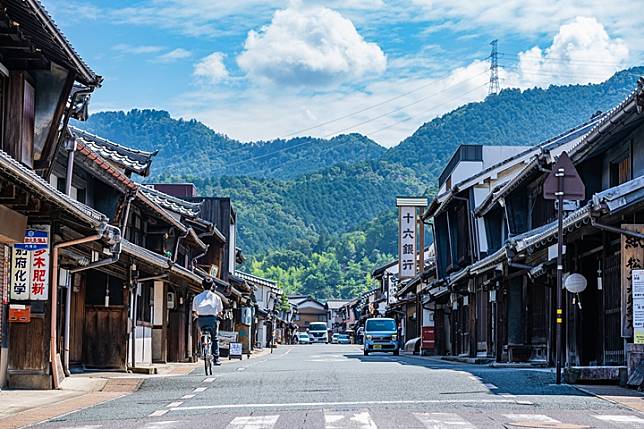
column 318, row 332
column 381, row 335
column 334, row 338
column 343, row 339
column 303, row 338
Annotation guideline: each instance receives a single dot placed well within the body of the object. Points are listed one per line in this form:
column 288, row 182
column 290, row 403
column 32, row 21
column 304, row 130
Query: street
column 335, row 386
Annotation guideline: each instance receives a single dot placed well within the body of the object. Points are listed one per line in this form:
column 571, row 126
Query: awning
column 193, row 280
column 26, row 177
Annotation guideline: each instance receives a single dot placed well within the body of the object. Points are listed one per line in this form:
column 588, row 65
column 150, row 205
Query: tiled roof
column 257, row 280
column 38, row 25
column 97, row 159
column 27, row 177
column 171, row 203
column 134, row 160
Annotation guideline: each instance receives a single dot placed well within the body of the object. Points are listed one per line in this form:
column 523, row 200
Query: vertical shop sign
column 407, row 242
column 632, row 255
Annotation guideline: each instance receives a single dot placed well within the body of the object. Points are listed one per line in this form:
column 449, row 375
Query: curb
column 605, row 398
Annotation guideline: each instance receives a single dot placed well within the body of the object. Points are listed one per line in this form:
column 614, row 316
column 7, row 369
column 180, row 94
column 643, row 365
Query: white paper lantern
column 575, row 283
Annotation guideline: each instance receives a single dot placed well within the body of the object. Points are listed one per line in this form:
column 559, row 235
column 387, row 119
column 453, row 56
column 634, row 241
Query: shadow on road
column 498, row 381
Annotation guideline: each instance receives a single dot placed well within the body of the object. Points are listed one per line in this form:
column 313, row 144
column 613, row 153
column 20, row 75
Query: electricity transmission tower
column 494, row 69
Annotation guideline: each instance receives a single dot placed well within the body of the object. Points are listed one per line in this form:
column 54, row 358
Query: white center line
column 328, row 404
column 209, row 380
column 187, row 396
column 174, row 404
column 200, row 389
column 158, row 413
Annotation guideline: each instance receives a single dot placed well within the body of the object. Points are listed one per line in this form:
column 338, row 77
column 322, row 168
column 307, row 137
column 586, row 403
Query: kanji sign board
column 407, row 242
column 30, row 265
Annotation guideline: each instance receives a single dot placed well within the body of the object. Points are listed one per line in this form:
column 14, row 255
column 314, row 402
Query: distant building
column 309, row 310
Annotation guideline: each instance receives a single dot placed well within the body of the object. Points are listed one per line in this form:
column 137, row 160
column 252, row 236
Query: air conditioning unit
column 171, row 301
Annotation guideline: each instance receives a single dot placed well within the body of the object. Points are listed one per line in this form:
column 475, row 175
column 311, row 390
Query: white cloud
column 309, row 46
column 581, row 52
column 392, row 108
column 137, row 49
column 174, row 55
column 211, row 68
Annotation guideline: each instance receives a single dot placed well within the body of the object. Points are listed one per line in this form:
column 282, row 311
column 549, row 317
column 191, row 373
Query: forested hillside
column 309, row 208
column 189, row 147
column 513, row 117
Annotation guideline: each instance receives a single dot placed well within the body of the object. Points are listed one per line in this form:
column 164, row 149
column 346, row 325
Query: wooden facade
column 493, row 249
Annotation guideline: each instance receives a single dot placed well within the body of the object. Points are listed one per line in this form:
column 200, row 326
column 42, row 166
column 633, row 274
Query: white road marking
column 490, row 386
column 83, row 427
column 622, row 420
column 243, row 368
column 329, row 404
column 354, row 420
column 188, row 396
column 158, row 413
column 209, row 380
column 160, row 425
column 200, row 389
column 442, row 421
column 541, row 418
column 253, row 422
column 174, row 404
column 507, row 395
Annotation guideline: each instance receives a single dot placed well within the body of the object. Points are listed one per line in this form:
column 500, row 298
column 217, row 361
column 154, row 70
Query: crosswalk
column 362, row 419
column 379, row 419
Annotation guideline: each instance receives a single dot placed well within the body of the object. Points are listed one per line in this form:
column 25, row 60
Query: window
column 28, row 123
column 322, row 317
column 620, row 171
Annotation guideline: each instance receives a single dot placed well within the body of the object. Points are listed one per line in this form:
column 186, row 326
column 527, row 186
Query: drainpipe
column 126, row 215
column 71, row 152
column 176, row 244
column 193, row 263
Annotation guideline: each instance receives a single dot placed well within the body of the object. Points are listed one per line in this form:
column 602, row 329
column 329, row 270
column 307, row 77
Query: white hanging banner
column 638, row 306
column 407, row 242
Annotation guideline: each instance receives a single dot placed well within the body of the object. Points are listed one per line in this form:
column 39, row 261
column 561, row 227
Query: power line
column 365, row 109
column 410, row 118
column 355, row 125
column 381, row 129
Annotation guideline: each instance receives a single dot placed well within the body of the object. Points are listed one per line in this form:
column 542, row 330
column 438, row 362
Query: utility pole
column 494, row 87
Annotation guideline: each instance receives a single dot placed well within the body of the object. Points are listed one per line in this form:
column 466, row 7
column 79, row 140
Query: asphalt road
column 335, row 386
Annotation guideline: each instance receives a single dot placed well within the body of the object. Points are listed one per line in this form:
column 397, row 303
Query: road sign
column 573, row 187
column 563, row 183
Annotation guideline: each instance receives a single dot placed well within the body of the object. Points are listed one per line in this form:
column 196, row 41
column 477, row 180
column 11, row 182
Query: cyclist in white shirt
column 207, row 306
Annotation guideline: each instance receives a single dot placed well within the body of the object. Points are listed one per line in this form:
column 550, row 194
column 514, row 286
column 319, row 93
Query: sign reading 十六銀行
column 407, row 242
column 30, row 265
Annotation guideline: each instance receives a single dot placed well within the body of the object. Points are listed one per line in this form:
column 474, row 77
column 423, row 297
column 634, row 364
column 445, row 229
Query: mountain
column 512, row 117
column 190, row 147
column 319, row 214
column 273, row 213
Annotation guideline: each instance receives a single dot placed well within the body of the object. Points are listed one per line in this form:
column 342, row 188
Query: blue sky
column 273, row 69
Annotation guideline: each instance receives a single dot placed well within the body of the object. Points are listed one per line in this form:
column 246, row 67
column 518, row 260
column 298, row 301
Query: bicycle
column 206, row 352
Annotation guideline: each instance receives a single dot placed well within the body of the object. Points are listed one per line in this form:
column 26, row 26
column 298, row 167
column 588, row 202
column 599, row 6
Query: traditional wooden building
column 502, row 294
column 44, row 82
